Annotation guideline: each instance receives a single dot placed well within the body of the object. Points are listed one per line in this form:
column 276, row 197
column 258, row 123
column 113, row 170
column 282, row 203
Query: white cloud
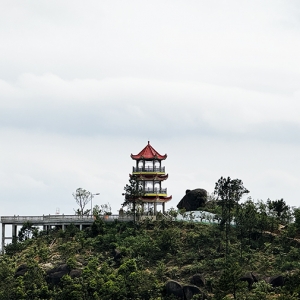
column 124, row 105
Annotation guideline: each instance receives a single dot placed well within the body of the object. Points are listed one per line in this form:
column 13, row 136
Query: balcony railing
column 149, row 169
column 155, row 191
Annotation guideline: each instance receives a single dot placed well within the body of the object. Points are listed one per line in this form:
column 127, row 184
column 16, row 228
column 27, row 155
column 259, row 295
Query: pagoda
column 149, row 173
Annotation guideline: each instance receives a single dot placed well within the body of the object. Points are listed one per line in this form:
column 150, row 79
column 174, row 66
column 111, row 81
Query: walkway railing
column 57, row 218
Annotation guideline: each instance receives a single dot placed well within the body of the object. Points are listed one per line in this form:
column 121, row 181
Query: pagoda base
column 156, row 198
column 150, row 204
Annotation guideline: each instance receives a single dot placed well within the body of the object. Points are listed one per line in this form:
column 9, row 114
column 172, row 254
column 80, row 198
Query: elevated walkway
column 47, row 221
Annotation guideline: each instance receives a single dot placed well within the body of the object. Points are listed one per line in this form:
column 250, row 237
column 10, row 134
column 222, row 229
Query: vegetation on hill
column 256, row 258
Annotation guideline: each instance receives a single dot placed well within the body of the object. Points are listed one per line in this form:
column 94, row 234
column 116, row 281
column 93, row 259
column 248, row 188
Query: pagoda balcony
column 149, row 169
column 154, row 191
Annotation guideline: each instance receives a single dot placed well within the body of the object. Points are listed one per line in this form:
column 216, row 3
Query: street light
column 92, row 196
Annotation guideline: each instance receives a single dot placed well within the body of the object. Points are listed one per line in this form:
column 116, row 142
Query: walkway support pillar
column 14, row 231
column 3, row 237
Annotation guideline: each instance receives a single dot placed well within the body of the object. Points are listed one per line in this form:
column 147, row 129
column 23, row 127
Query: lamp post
column 92, row 196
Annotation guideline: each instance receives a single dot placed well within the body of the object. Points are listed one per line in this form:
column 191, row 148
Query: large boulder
column 190, row 291
column 249, row 278
column 198, row 280
column 117, row 254
column 275, row 281
column 54, row 275
column 174, row 288
column 22, row 269
column 75, row 273
column 193, row 200
column 257, row 277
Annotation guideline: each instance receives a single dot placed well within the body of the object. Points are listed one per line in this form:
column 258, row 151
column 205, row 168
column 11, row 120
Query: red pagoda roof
column 149, row 153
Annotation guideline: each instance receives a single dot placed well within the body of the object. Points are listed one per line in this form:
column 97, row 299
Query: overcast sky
column 83, row 84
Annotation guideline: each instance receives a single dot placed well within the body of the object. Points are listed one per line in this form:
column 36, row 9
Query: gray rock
column 257, row 277
column 174, row 288
column 54, row 275
column 193, row 199
column 117, row 254
column 60, row 268
column 47, row 266
column 75, row 273
column 275, row 281
column 249, row 278
column 22, row 269
column 198, row 280
column 191, row 290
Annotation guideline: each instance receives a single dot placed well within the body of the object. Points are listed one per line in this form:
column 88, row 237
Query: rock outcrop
column 75, row 273
column 193, row 200
column 249, row 278
column 198, row 280
column 186, row 292
column 54, row 275
column 190, row 291
column 174, row 288
column 275, row 281
column 22, row 269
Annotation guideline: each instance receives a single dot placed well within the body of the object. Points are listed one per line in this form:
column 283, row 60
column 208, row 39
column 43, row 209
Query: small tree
column 246, row 221
column 281, row 209
column 27, row 232
column 229, row 192
column 297, row 219
column 133, row 193
column 229, row 281
column 106, row 208
column 82, row 198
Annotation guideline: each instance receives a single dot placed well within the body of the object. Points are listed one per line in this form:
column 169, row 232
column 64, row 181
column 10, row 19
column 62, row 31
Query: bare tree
column 82, row 198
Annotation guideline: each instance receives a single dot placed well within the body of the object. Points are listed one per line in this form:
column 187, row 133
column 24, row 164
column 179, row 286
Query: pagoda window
column 157, row 186
column 148, row 185
column 149, row 165
column 156, row 165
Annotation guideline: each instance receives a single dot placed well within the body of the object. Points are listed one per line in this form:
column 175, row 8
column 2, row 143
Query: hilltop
column 147, row 260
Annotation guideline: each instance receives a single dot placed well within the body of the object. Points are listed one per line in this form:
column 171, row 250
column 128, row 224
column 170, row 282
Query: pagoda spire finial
column 148, row 142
